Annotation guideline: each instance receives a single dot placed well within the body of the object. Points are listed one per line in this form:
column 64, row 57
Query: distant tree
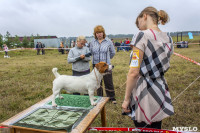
column 37, row 36
column 16, row 40
column 1, row 41
column 8, row 39
column 32, row 41
column 25, row 42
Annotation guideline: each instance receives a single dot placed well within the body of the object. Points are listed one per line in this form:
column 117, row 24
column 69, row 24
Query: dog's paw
column 94, row 103
column 61, row 97
column 54, row 105
column 94, row 98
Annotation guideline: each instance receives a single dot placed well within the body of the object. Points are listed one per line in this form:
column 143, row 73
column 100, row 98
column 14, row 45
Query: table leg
column 12, row 130
column 103, row 118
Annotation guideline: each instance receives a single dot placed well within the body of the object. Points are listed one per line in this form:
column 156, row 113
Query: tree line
column 12, row 42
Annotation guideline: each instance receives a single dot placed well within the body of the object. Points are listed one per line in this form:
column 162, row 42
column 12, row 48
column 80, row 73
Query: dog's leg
column 55, row 93
column 91, row 95
column 61, row 97
column 94, row 98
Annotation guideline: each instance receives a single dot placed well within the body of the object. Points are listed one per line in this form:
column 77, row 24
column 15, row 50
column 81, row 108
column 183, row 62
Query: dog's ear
column 97, row 66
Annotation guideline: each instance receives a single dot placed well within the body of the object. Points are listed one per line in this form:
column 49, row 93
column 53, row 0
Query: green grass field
column 26, row 78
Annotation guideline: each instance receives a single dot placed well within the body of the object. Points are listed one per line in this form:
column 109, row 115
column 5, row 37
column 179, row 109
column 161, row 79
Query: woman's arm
column 112, row 51
column 132, row 78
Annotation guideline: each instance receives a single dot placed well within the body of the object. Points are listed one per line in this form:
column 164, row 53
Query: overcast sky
column 65, row 18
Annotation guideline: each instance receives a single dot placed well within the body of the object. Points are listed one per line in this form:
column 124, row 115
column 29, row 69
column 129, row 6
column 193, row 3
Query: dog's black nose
column 112, row 66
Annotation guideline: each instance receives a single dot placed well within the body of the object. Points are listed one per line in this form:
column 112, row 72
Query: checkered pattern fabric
column 53, row 119
column 150, row 100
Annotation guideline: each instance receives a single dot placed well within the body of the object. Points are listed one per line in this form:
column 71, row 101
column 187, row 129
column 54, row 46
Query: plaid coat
column 150, row 100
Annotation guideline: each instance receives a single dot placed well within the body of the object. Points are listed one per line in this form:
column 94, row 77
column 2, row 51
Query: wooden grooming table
column 81, row 128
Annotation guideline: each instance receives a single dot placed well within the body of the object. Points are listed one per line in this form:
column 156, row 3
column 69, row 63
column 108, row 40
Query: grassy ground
column 26, row 78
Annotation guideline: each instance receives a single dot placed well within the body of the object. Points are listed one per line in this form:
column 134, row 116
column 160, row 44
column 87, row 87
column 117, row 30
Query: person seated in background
column 79, row 59
column 117, row 44
column 127, row 41
column 127, row 44
column 122, row 45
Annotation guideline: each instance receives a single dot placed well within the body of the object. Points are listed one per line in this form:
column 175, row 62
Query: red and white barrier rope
column 35, row 49
column 192, row 43
column 136, row 130
column 3, row 127
column 184, row 57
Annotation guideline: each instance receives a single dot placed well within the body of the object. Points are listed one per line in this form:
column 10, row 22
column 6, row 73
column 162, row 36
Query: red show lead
column 136, row 130
column 3, row 127
column 197, row 63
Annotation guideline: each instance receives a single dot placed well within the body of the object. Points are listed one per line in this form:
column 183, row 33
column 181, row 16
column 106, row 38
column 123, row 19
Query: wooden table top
column 82, row 127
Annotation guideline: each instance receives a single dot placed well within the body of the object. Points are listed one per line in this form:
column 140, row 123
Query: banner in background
column 190, row 35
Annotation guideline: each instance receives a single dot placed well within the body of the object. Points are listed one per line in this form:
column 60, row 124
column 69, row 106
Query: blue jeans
column 119, row 48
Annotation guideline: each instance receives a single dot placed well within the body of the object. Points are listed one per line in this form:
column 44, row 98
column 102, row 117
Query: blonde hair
column 80, row 38
column 157, row 16
column 98, row 29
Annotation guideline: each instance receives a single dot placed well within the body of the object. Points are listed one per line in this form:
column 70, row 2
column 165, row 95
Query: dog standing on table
column 86, row 84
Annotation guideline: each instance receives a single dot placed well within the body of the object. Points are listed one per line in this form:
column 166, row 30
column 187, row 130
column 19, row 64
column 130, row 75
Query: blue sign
column 190, row 35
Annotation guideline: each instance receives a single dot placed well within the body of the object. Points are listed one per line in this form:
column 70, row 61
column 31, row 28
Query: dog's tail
column 54, row 70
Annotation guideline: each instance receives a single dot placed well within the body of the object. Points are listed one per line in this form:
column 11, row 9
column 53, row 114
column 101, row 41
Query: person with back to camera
column 79, row 59
column 102, row 50
column 147, row 98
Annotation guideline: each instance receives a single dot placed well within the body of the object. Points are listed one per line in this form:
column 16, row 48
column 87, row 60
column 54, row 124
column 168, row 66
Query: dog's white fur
column 86, row 84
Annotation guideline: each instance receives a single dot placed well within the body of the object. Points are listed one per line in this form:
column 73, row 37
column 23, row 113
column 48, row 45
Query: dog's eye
column 104, row 64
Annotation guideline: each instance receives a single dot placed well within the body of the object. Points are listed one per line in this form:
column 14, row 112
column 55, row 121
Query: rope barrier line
column 136, row 130
column 45, row 48
column 35, row 49
column 186, row 88
column 3, row 127
column 192, row 43
column 184, row 57
column 38, row 48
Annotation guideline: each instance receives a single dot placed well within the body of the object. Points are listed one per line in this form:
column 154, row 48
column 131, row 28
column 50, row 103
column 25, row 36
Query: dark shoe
column 76, row 93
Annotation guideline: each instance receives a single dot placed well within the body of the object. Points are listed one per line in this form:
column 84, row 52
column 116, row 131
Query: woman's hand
column 125, row 106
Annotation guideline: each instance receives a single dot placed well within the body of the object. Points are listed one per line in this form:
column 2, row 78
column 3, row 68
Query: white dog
column 86, row 84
